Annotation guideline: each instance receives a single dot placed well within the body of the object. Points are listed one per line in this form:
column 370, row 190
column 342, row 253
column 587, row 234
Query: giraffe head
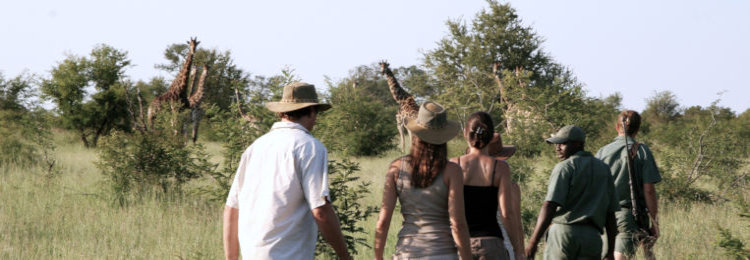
column 193, row 43
column 384, row 66
column 496, row 67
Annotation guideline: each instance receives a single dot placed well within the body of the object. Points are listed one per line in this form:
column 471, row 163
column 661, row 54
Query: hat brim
column 506, row 152
column 556, row 140
column 282, row 107
column 433, row 136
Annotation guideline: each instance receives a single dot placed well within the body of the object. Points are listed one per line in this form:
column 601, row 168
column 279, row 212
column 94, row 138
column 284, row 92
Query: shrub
column 345, row 195
column 150, row 163
column 733, row 246
column 357, row 126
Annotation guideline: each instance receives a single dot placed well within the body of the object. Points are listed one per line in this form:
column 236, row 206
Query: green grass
column 71, row 216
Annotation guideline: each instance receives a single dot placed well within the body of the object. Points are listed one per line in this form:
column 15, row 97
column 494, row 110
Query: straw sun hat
column 432, row 125
column 297, row 95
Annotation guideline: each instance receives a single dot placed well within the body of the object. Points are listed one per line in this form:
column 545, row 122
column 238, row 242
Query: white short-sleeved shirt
column 281, row 177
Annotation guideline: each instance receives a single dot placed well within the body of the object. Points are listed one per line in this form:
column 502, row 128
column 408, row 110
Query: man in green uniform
column 580, row 202
column 615, row 155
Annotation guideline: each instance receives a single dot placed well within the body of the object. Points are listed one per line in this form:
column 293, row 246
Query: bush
column 357, row 126
column 345, row 195
column 733, row 246
column 236, row 134
column 25, row 140
column 150, row 163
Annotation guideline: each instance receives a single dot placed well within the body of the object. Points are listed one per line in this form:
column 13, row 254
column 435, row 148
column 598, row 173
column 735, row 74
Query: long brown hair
column 427, row 161
column 479, row 129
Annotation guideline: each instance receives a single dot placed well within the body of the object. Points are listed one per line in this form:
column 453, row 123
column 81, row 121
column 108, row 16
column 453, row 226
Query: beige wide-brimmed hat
column 432, row 125
column 297, row 95
column 500, row 150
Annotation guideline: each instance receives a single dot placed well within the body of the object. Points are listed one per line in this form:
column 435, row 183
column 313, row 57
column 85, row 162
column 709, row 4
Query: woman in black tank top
column 487, row 187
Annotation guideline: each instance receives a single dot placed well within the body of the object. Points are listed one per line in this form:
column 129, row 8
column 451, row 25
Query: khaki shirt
column 615, row 155
column 584, row 190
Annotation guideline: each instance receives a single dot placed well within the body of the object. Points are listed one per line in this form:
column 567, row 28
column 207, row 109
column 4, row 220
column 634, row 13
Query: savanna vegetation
column 93, row 177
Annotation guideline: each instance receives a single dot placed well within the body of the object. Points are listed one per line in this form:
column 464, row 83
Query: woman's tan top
column 426, row 230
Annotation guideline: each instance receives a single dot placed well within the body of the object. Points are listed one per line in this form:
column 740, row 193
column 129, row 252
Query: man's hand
column 530, row 250
column 328, row 224
column 655, row 231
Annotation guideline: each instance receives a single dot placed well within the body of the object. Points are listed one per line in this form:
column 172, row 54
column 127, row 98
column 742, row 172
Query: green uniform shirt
column 615, row 155
column 584, row 190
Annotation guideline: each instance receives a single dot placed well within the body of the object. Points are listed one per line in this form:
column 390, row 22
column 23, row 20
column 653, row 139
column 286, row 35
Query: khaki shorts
column 573, row 242
column 488, row 248
column 431, row 257
column 629, row 236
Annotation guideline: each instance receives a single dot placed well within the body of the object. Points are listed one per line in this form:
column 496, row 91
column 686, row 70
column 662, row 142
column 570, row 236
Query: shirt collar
column 292, row 125
column 582, row 153
column 620, row 138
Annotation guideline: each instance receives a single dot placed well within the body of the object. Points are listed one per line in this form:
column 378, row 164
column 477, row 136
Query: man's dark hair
column 632, row 119
column 299, row 113
column 575, row 146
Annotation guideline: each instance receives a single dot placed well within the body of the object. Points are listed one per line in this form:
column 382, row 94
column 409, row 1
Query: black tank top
column 481, row 203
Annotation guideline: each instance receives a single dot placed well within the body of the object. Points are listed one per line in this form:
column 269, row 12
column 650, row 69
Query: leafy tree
column 357, row 124
column 534, row 94
column 661, row 108
column 703, row 143
column 90, row 93
column 15, row 93
column 25, row 136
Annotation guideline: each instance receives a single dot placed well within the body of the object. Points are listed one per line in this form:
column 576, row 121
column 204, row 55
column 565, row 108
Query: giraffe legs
column 196, row 115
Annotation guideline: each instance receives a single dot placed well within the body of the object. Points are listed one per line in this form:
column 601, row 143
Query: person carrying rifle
column 581, row 202
column 637, row 219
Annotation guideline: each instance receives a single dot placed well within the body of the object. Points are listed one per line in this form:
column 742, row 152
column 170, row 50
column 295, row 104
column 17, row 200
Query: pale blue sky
column 694, row 48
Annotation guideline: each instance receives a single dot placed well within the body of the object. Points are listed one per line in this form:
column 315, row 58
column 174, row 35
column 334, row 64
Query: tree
column 15, row 92
column 90, row 92
column 497, row 65
column 661, row 108
column 358, row 124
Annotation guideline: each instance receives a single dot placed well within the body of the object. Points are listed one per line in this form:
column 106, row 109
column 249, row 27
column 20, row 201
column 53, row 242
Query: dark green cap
column 566, row 134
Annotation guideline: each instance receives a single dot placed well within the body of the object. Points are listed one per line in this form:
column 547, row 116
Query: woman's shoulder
column 451, row 169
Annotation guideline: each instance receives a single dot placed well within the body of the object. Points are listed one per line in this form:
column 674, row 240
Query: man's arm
column 542, row 223
column 653, row 207
column 231, row 241
column 328, row 223
column 611, row 226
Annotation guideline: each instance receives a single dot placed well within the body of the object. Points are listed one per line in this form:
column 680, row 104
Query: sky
column 699, row 50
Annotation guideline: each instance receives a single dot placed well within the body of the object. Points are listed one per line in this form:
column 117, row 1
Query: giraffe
column 195, row 100
column 250, row 118
column 407, row 106
column 176, row 91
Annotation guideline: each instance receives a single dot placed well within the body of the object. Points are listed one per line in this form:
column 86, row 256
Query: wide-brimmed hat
column 297, row 95
column 432, row 125
column 567, row 134
column 500, row 150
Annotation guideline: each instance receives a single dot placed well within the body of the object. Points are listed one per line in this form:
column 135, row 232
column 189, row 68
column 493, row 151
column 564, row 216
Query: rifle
column 638, row 208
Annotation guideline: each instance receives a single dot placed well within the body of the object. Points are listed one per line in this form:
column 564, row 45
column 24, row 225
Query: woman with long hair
column 430, row 190
column 487, row 188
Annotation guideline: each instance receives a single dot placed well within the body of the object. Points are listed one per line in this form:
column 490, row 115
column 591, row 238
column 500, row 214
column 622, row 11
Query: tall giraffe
column 407, row 106
column 195, row 103
column 176, row 91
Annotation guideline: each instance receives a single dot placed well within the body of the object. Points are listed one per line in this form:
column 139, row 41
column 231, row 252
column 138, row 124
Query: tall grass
column 71, row 216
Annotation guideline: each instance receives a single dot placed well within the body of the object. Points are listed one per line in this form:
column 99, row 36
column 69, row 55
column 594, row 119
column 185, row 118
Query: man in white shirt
column 281, row 187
